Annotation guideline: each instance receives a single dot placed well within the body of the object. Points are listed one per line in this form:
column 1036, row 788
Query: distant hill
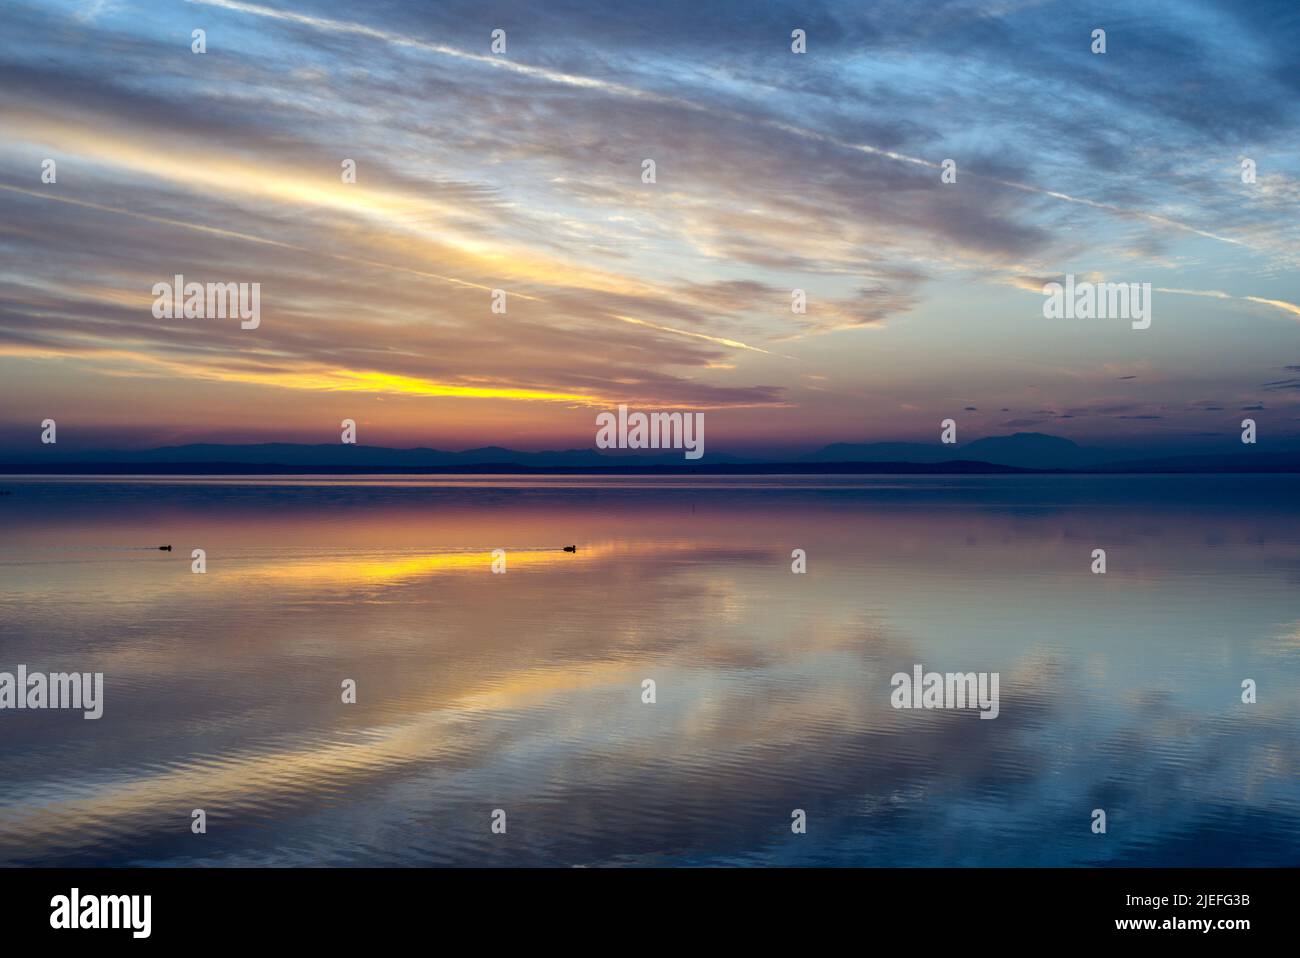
column 1028, row 450
column 295, row 456
column 614, row 467
column 1021, row 452
column 1033, row 450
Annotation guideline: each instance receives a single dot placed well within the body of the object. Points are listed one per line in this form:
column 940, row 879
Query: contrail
column 250, row 238
column 1010, row 184
column 1216, row 294
column 735, row 343
column 619, row 89
column 397, row 39
column 1279, row 303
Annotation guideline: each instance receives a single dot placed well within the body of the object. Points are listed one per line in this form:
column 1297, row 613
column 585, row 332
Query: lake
column 522, row 691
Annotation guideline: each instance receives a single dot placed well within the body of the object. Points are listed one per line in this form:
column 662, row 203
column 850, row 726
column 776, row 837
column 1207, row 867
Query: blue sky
column 774, row 171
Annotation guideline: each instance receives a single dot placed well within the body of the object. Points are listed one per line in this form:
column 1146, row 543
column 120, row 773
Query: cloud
column 521, row 172
column 1281, row 304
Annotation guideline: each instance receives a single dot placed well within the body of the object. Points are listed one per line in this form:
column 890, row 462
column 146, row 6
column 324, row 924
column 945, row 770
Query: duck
column 570, row 548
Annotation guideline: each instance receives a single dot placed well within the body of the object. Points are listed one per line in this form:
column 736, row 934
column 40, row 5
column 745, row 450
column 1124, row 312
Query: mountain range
column 1018, row 452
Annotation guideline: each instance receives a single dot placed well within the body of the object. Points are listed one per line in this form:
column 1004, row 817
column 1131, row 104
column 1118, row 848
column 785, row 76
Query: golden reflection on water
column 222, row 689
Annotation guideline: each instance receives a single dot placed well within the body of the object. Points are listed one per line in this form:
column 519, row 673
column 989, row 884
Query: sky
column 522, row 171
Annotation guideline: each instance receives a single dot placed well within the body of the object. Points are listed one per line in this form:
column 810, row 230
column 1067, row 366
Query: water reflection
column 523, row 691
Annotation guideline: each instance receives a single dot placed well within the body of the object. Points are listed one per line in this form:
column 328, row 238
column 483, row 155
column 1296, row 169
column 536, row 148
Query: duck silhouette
column 570, row 548
column 164, row 548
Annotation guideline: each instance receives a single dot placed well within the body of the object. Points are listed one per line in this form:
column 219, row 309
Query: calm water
column 522, row 691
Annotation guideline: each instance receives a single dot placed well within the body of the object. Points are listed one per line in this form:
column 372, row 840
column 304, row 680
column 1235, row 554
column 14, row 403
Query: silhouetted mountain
column 1028, row 450
column 1021, row 452
column 295, row 457
column 881, row 452
column 612, row 467
column 1032, row 450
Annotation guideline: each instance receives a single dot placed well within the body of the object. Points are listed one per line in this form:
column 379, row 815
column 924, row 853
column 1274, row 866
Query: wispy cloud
column 521, row 172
